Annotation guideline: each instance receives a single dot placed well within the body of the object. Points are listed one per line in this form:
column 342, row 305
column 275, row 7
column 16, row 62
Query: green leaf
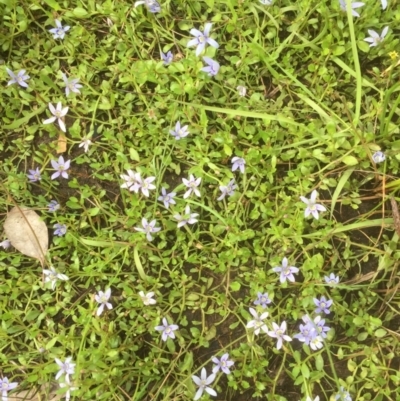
column 350, row 160
column 305, row 371
column 319, row 363
column 53, row 4
column 380, row 333
column 80, row 12
column 235, row 286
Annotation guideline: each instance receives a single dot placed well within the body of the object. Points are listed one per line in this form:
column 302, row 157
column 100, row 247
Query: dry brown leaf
column 27, row 232
column 62, row 143
column 34, row 395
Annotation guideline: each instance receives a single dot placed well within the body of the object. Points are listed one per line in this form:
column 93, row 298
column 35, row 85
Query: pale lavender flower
column 202, row 383
column 179, row 132
column 68, row 392
column 238, row 163
column 312, row 207
column 34, row 175
column 60, row 31
column 66, row 368
column 353, row 6
column 332, row 279
column 5, row 244
column 307, row 333
column 343, row 395
column 224, row 364
column 286, row 272
column 375, row 38
column 102, row 298
column 212, row 67
column 52, row 276
column 241, row 90
column 71, row 85
column 60, row 229
column 258, row 322
column 167, row 329
column 19, row 78
column 378, row 157
column 53, row 206
column 167, row 58
column 278, row 332
column 148, row 228
column 147, row 299
column 86, row 142
column 58, row 114
column 187, row 218
column 144, row 185
column 319, row 325
column 192, row 183
column 262, row 299
column 168, row 199
column 152, row 5
column 227, row 189
column 202, row 38
column 61, row 168
column 322, row 305
column 5, row 387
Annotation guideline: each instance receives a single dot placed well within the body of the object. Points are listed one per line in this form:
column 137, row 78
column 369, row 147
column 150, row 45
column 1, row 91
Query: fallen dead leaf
column 27, row 232
column 62, row 143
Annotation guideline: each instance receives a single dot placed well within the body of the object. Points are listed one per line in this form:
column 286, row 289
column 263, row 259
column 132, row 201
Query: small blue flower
column 343, row 395
column 168, row 199
column 60, row 229
column 332, row 279
column 60, row 31
column 167, row 58
column 34, row 175
column 378, row 157
column 262, row 299
column 375, row 38
column 19, row 79
column 286, row 272
column 152, row 5
column 167, row 329
column 61, row 168
column 307, row 333
column 148, row 228
column 71, row 85
column 224, row 364
column 179, row 132
column 53, row 206
column 202, row 38
column 323, row 305
column 238, row 163
column 227, row 189
column 212, row 67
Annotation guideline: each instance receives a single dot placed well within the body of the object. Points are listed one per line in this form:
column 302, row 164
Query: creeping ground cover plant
column 217, row 183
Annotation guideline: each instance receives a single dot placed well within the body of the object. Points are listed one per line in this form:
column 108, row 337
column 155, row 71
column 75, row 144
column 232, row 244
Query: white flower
column 384, row 4
column 202, row 382
column 148, row 228
column 266, row 2
column 316, row 343
column 144, row 185
column 241, row 90
column 52, row 276
column 86, row 142
column 354, row 5
column 258, row 323
column 192, row 183
column 71, row 84
column 312, row 207
column 279, row 333
column 310, row 399
column 65, row 367
column 102, row 298
column 147, row 298
column 131, row 180
column 68, row 393
column 5, row 244
column 58, row 114
column 375, row 38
